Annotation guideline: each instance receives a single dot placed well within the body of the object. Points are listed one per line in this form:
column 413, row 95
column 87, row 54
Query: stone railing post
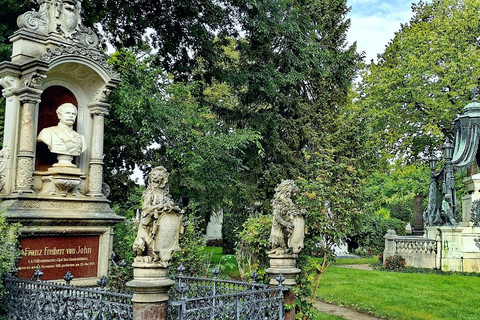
column 98, row 111
column 390, row 244
column 29, row 99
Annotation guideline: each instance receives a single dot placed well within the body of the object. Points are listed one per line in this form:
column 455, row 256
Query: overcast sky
column 374, row 23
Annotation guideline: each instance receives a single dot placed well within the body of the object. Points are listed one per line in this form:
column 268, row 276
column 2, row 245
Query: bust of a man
column 62, row 139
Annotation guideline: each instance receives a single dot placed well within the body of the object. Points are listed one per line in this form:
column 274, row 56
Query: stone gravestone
column 214, row 226
column 417, row 215
column 51, row 165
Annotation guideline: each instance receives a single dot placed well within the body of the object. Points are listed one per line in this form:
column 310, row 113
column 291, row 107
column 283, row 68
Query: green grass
column 226, row 262
column 356, row 261
column 403, row 295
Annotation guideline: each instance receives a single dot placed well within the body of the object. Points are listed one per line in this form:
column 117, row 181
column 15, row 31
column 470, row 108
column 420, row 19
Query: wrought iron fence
column 41, row 300
column 202, row 298
column 190, row 298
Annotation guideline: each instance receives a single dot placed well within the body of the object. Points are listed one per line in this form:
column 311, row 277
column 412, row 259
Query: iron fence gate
column 203, row 298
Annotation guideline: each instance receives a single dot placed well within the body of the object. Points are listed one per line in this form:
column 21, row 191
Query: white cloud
column 374, row 23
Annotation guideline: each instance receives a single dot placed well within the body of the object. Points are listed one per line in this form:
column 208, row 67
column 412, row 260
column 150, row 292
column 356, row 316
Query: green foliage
column 367, row 231
column 9, row 250
column 192, row 256
column 231, row 226
column 8, row 23
column 154, row 121
column 394, row 263
column 423, row 79
column 254, row 242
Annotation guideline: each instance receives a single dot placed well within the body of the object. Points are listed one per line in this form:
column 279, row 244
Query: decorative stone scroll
column 61, row 17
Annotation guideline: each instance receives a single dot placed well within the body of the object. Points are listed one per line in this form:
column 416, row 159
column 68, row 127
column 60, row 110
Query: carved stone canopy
column 62, row 18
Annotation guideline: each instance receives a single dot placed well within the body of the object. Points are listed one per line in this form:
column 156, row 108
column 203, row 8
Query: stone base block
column 150, row 311
column 150, row 284
column 284, row 264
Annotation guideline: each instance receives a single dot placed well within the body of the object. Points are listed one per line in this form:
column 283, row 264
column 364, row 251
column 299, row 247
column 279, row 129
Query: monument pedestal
column 472, row 186
column 150, row 291
column 284, row 264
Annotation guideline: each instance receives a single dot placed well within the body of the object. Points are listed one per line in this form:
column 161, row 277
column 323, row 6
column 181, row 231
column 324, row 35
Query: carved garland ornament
column 100, row 59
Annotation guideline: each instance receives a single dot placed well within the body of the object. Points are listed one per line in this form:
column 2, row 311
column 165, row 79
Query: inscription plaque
column 57, row 255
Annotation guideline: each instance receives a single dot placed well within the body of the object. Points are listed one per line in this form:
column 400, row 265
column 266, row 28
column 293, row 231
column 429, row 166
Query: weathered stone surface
column 288, row 227
column 160, row 224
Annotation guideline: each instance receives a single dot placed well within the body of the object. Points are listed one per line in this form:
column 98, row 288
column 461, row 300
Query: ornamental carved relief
column 98, row 58
column 33, row 80
column 4, row 156
column 61, row 17
column 95, row 185
column 8, row 83
column 24, row 172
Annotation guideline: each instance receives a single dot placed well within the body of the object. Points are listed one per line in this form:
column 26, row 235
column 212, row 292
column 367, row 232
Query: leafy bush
column 9, row 251
column 367, row 231
column 231, row 227
column 253, row 244
column 394, row 263
column 192, row 256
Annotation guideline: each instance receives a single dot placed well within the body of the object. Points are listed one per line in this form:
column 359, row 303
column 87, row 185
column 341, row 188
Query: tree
column 11, row 9
column 423, row 78
column 155, row 121
column 293, row 72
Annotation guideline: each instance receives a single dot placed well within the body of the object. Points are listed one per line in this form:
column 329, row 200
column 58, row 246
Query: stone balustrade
column 418, row 252
column 414, row 245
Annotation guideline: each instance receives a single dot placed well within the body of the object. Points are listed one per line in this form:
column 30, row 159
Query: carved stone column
column 29, row 99
column 98, row 111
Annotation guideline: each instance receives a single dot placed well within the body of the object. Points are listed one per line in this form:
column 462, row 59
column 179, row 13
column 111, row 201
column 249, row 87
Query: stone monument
column 214, row 226
column 157, row 239
column 51, row 164
column 449, row 244
column 286, row 239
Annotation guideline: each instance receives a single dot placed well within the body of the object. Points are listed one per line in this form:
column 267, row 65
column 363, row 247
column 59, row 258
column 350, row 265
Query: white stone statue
column 160, row 222
column 62, row 139
column 288, row 227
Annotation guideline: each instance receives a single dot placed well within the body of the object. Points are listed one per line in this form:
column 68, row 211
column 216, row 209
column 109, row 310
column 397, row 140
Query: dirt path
column 342, row 312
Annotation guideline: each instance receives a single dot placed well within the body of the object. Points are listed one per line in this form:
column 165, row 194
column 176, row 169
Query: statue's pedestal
column 284, row 264
column 472, row 186
column 150, row 287
column 59, row 181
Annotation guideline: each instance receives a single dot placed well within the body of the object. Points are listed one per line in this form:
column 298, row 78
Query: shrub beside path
column 345, row 313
